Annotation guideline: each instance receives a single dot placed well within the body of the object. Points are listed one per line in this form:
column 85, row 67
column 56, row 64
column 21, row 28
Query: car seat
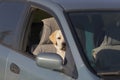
column 33, row 37
column 107, row 56
column 45, row 45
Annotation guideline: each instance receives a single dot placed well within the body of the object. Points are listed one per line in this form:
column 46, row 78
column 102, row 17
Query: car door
column 3, row 61
column 10, row 13
column 14, row 63
column 20, row 67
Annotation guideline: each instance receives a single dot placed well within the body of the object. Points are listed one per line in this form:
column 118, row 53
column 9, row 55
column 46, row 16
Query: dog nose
column 64, row 44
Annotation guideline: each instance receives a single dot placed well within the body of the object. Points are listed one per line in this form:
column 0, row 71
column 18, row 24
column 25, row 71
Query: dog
column 58, row 41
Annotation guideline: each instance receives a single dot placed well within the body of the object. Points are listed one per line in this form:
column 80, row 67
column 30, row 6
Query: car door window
column 40, row 26
column 10, row 14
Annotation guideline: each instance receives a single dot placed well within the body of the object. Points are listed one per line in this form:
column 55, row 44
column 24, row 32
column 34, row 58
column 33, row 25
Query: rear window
column 10, row 14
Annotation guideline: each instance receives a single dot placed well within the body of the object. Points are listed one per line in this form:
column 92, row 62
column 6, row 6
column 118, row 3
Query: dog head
column 58, row 40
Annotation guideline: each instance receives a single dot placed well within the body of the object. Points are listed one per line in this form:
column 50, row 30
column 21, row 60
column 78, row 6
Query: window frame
column 55, row 16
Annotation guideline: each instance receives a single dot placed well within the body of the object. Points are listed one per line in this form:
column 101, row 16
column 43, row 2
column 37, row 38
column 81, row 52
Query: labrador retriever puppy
column 59, row 43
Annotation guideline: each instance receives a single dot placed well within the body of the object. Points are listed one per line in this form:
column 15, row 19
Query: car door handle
column 14, row 68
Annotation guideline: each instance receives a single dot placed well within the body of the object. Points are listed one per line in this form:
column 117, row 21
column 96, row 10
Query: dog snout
column 64, row 44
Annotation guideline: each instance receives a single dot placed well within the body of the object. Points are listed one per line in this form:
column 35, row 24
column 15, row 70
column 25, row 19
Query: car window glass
column 10, row 14
column 91, row 28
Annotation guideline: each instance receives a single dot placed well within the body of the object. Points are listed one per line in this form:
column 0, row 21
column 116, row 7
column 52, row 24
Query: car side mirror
column 50, row 61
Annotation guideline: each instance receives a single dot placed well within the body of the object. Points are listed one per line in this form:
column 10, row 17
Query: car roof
column 69, row 5
column 88, row 4
column 72, row 5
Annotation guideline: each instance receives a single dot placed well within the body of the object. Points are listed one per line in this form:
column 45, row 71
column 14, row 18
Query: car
column 90, row 28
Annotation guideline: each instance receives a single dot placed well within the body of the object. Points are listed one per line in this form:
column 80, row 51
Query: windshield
column 96, row 30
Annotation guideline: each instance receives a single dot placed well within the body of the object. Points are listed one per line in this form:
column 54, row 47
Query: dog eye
column 59, row 37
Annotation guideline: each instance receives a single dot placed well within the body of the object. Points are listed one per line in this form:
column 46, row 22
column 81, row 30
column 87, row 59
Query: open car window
column 37, row 40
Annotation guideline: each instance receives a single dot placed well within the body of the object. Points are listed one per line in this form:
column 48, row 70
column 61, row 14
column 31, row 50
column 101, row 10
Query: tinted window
column 10, row 14
column 92, row 27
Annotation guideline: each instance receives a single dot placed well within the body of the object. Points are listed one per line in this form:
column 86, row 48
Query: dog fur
column 59, row 43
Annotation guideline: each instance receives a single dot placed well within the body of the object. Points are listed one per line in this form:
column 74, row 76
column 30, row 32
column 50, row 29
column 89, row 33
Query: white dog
column 59, row 43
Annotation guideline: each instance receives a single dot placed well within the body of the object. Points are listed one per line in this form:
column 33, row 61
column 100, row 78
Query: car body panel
column 25, row 67
column 3, row 61
column 75, row 5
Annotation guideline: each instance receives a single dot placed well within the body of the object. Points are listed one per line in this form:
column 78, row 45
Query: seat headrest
column 49, row 26
column 112, row 35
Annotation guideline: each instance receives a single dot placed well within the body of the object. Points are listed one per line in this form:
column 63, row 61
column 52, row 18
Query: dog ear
column 52, row 37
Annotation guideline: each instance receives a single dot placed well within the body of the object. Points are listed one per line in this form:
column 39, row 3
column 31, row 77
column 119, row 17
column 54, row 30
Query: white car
column 91, row 30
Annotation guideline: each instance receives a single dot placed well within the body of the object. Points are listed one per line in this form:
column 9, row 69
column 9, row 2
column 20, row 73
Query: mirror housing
column 50, row 61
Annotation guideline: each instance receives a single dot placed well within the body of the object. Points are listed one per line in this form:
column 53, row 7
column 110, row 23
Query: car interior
column 37, row 30
column 38, row 33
